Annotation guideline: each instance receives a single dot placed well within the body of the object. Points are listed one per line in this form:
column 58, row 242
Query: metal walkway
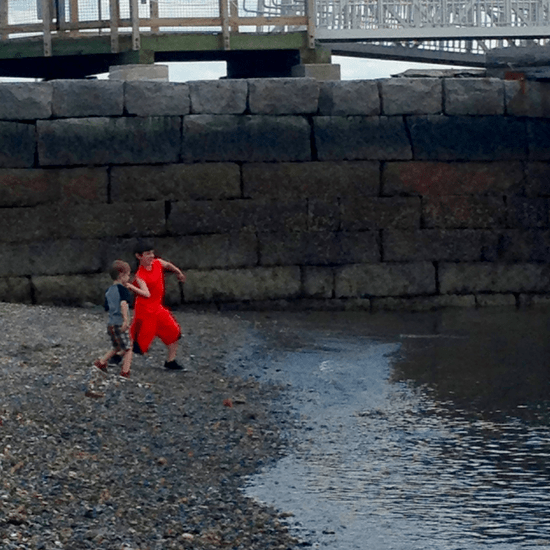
column 138, row 31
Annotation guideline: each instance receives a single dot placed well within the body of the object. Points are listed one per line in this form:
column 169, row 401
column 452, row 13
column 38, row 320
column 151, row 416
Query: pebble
column 154, row 462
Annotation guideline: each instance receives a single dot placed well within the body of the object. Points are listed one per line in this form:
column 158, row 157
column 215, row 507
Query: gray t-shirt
column 116, row 294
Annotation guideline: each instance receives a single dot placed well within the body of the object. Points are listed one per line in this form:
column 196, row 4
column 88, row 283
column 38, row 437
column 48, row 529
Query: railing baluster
column 47, row 33
column 4, row 34
column 115, row 17
column 154, row 9
column 224, row 15
column 134, row 14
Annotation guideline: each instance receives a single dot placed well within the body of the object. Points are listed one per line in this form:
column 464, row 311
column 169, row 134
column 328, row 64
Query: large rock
column 452, row 245
column 471, row 212
column 210, row 251
column 30, row 187
column 537, row 180
column 320, row 180
column 370, row 213
column 86, row 221
column 50, row 257
column 259, row 283
column 527, row 98
column 218, row 97
column 25, row 100
column 246, row 138
column 178, row 182
column 196, row 217
column 350, row 97
column 403, row 279
column 445, row 178
column 18, row 145
column 15, row 289
column 538, row 135
column 96, row 141
column 411, row 96
column 82, row 98
column 149, row 98
column 318, row 248
column 283, row 96
column 474, row 96
column 493, row 277
column 318, row 282
column 73, row 290
column 447, row 138
column 361, row 138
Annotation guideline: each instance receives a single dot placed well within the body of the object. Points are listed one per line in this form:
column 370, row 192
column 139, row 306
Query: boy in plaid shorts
column 117, row 303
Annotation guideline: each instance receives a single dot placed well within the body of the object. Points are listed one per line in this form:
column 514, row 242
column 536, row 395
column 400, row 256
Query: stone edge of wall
column 398, row 112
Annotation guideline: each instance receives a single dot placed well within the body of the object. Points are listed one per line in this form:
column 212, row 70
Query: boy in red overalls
column 151, row 318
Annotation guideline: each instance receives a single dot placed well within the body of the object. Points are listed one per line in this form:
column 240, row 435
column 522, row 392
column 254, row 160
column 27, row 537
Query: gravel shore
column 156, row 462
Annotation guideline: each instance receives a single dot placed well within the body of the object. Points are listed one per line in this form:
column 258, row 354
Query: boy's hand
column 124, row 327
column 181, row 277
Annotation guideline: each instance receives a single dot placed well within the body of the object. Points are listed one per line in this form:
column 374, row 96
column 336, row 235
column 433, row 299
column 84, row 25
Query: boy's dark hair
column 118, row 268
column 143, row 246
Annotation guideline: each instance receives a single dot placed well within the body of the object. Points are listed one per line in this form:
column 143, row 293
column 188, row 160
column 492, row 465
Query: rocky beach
column 153, row 463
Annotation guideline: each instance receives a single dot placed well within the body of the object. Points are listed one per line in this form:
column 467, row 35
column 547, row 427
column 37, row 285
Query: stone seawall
column 400, row 193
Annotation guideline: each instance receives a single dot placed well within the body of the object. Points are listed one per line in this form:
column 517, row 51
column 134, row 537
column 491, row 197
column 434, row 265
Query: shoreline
column 156, row 462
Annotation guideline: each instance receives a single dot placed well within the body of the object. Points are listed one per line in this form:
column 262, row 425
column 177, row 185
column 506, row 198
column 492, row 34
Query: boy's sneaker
column 101, row 366
column 124, row 375
column 172, row 365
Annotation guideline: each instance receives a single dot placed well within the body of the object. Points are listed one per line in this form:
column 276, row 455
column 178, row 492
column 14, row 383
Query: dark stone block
column 452, row 178
column 361, row 138
column 318, row 248
column 92, row 141
column 380, row 213
column 17, row 145
column 246, row 138
column 467, row 138
column 319, row 180
column 538, row 132
column 179, row 182
column 525, row 212
column 50, row 257
column 471, row 212
column 453, row 245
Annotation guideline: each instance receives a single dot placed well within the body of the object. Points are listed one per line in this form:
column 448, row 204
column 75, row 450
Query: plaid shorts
column 119, row 339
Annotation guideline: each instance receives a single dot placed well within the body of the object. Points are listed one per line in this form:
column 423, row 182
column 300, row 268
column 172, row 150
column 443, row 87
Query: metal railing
column 431, row 19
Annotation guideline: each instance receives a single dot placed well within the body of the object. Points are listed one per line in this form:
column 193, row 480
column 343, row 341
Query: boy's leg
column 126, row 364
column 169, row 332
column 172, row 351
column 143, row 332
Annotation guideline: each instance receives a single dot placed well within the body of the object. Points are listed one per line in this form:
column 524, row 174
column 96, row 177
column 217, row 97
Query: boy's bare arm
column 139, row 288
column 169, row 266
column 125, row 310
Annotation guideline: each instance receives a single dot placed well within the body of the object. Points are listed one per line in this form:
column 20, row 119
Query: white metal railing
column 431, row 19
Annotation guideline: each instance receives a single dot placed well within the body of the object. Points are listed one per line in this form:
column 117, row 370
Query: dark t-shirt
column 116, row 294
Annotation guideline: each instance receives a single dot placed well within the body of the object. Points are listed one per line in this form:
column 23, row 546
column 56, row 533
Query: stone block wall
column 401, row 193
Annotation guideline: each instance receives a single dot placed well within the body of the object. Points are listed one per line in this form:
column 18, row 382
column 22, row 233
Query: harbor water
column 410, row 432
